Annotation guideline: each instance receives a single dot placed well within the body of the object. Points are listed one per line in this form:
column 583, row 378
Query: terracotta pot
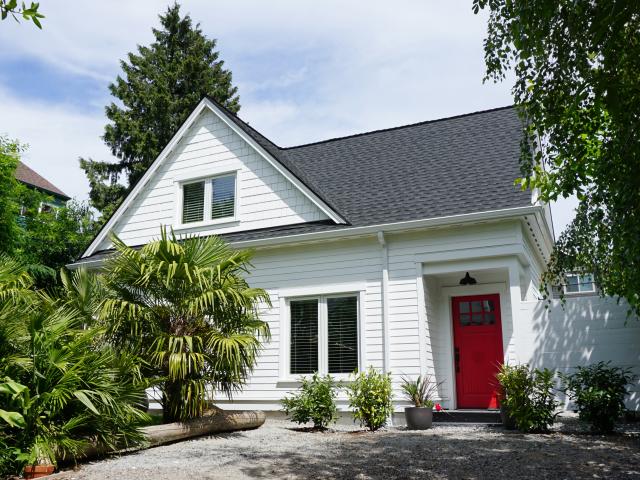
column 38, row 471
column 418, row 418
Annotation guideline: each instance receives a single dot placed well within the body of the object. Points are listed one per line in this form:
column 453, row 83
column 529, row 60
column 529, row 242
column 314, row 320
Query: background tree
column 49, row 240
column 162, row 84
column 577, row 67
column 45, row 241
column 185, row 308
column 9, row 208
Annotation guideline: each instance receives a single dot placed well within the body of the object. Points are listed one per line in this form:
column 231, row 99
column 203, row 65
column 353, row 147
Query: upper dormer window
column 209, row 200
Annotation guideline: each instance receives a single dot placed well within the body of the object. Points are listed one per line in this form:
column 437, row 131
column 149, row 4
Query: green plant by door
column 527, row 395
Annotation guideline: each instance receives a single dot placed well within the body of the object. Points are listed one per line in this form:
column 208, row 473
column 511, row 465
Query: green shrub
column 370, row 397
column 420, row 391
column 598, row 391
column 315, row 402
column 527, row 396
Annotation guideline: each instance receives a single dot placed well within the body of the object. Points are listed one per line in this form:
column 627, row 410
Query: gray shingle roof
column 451, row 166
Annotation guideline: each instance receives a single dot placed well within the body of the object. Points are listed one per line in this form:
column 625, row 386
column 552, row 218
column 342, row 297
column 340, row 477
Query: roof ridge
column 388, row 129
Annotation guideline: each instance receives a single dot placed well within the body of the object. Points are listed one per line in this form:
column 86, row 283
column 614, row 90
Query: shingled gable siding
column 265, row 197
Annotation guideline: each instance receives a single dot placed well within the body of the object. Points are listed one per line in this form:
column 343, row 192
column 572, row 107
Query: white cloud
column 57, row 137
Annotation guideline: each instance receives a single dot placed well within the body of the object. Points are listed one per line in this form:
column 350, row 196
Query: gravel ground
column 279, row 450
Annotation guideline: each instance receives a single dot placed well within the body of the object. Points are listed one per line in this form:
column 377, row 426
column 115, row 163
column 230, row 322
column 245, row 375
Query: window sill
column 297, row 380
column 580, row 294
column 208, row 223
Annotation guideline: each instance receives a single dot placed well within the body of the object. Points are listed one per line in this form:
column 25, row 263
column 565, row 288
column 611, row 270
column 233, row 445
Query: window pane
column 464, row 307
column 572, row 284
column 193, row 202
column 342, row 317
column 465, row 319
column 223, row 197
column 304, row 336
column 586, row 283
column 488, row 305
column 476, row 306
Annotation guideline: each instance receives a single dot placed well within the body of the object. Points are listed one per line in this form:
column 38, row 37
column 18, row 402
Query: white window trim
column 207, row 177
column 579, row 293
column 286, row 297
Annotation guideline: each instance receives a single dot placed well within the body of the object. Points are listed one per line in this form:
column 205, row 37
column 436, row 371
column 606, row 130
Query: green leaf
column 14, row 419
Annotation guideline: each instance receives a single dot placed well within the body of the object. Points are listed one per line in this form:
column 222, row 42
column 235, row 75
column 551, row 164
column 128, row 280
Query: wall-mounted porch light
column 468, row 280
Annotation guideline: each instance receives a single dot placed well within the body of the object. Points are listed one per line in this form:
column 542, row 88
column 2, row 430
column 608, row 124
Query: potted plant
column 420, row 392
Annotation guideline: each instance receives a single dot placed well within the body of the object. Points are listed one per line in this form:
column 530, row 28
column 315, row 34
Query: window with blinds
column 324, row 335
column 342, row 322
column 304, row 336
column 223, row 196
column 192, row 202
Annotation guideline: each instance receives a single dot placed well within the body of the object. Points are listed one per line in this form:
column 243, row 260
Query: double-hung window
column 579, row 283
column 209, row 200
column 323, row 334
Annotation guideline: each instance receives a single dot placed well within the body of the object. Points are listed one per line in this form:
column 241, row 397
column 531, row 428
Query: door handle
column 456, row 357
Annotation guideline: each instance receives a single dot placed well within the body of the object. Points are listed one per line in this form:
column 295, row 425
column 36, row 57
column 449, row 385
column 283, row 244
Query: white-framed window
column 579, row 283
column 323, row 335
column 208, row 200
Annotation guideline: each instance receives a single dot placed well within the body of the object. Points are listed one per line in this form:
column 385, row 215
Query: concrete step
column 467, row 416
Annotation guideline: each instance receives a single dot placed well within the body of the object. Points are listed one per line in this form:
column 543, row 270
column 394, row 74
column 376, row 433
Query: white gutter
column 391, row 227
column 385, row 301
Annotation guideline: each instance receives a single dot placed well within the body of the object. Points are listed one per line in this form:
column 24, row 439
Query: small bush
column 598, row 391
column 370, row 397
column 314, row 403
column 527, row 396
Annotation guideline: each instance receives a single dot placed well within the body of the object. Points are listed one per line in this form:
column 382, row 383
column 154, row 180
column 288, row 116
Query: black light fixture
column 468, row 280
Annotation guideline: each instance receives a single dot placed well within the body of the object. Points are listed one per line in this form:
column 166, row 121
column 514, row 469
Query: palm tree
column 70, row 389
column 185, row 307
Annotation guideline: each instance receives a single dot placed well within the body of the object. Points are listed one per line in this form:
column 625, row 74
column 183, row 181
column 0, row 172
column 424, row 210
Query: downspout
column 385, row 301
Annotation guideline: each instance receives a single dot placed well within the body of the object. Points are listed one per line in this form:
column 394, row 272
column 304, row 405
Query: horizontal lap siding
column 587, row 330
column 265, row 197
column 319, row 265
column 405, row 252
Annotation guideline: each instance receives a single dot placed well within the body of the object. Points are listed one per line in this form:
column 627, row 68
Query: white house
column 364, row 243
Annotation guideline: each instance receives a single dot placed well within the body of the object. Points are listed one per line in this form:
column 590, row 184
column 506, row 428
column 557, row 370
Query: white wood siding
column 587, row 330
column 312, row 267
column 265, row 197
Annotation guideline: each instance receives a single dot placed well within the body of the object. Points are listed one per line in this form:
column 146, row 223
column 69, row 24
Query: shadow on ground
column 415, row 455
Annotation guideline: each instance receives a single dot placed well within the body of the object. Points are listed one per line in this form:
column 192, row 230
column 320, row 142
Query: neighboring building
column 409, row 249
column 27, row 176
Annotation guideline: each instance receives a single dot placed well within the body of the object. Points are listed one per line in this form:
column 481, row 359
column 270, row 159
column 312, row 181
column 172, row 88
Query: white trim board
column 204, row 105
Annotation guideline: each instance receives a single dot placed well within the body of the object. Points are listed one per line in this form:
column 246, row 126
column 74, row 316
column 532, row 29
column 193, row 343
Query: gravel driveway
column 279, row 450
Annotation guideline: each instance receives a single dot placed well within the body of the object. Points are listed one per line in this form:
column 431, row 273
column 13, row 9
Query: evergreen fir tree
column 162, row 84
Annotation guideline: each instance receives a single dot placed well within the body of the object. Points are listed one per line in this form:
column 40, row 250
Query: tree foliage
column 9, row 207
column 44, row 240
column 186, row 309
column 161, row 85
column 577, row 67
column 30, row 13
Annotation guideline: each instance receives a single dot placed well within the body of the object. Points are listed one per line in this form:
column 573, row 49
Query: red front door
column 477, row 339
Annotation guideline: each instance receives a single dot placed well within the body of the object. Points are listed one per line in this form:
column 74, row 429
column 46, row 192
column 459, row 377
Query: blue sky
column 305, row 70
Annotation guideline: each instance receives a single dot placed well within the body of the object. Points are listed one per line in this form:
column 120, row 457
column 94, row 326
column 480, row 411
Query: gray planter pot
column 508, row 421
column 418, row 418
